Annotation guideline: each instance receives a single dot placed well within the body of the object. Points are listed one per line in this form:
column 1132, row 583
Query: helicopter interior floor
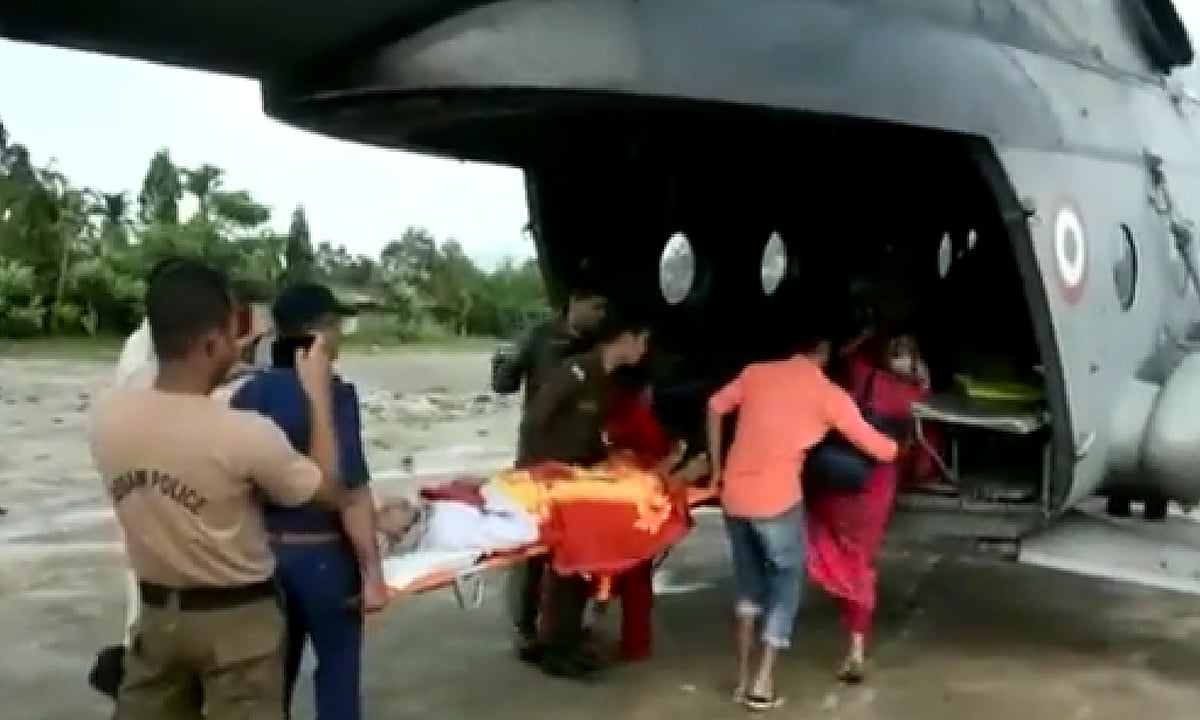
column 749, row 227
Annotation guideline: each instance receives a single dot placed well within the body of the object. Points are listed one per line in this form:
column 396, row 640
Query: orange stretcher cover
column 603, row 501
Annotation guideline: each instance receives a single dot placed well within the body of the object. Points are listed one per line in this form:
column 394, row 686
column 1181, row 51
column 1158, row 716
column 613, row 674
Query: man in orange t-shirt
column 784, row 407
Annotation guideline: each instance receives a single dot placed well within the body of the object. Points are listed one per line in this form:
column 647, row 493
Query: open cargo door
column 1088, row 541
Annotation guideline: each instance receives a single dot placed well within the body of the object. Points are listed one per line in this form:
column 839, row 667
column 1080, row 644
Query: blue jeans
column 318, row 583
column 768, row 562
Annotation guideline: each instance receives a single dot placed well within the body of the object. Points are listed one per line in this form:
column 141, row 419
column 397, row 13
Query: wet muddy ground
column 955, row 639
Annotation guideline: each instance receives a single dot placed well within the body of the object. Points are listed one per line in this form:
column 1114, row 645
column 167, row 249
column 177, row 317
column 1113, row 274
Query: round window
column 676, row 269
column 945, row 255
column 1125, row 269
column 774, row 264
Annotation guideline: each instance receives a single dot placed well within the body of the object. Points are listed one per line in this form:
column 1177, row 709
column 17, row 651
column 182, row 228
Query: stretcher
column 464, row 573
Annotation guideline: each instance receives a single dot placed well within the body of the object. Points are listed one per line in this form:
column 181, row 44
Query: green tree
column 74, row 259
column 162, row 191
column 299, row 258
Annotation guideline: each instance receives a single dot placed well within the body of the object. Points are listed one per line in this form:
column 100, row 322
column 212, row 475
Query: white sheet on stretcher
column 401, row 571
column 455, row 536
column 499, row 525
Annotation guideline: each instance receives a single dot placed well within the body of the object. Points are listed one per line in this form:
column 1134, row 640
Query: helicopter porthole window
column 774, row 264
column 677, row 269
column 945, row 255
column 1125, row 270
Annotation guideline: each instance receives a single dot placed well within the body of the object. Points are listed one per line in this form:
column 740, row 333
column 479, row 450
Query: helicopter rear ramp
column 1087, row 541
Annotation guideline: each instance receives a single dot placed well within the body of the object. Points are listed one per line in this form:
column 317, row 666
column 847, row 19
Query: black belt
column 210, row 598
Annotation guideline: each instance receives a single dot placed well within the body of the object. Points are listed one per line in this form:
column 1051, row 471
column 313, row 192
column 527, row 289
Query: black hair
column 185, row 298
column 165, row 264
column 632, row 377
column 809, row 336
column 618, row 321
column 581, row 293
column 583, row 288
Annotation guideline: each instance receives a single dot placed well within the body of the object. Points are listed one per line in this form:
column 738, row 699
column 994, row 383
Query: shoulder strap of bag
column 865, row 398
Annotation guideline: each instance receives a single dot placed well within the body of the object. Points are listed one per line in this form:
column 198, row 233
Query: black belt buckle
column 206, row 598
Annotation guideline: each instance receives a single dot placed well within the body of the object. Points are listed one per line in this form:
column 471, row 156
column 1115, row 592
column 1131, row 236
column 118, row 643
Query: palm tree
column 202, row 184
column 162, row 191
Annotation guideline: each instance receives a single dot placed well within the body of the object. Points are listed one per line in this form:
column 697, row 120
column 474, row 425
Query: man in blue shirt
column 326, row 561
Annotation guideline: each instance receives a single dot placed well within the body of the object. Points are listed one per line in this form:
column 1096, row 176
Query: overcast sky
column 102, row 118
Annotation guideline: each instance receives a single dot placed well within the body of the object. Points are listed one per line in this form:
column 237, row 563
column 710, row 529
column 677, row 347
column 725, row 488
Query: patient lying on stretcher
column 466, row 514
column 597, row 521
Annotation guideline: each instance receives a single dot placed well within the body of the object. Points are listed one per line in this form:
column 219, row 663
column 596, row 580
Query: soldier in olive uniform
column 183, row 473
column 546, row 345
column 564, row 422
column 542, row 349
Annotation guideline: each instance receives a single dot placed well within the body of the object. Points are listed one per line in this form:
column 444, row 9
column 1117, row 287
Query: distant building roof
column 360, row 300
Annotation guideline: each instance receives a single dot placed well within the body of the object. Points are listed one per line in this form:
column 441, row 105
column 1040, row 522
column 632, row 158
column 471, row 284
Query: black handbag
column 835, row 465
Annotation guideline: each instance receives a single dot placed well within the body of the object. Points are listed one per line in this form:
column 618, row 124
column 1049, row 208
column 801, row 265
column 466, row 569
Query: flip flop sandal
column 852, row 673
column 758, row 703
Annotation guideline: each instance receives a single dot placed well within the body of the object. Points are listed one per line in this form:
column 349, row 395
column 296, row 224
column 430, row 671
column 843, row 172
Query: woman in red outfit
column 632, row 428
column 845, row 530
column 634, row 434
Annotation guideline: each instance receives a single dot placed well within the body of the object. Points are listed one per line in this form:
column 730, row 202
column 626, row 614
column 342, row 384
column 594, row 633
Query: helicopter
column 1016, row 178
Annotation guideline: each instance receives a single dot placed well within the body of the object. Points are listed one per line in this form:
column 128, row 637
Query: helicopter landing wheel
column 1155, row 509
column 1119, row 506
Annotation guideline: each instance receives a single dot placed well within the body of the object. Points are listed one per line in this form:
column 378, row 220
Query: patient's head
column 393, row 519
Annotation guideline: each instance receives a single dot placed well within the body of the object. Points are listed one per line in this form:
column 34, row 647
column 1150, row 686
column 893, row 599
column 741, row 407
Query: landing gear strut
column 1119, row 506
column 1153, row 508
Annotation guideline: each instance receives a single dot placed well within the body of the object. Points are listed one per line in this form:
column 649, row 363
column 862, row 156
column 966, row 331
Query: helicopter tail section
column 1087, row 541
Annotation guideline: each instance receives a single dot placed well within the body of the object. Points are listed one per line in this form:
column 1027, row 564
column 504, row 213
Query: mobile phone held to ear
column 283, row 350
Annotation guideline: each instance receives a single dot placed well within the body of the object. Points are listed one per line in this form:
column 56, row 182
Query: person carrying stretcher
column 535, row 357
column 634, row 432
column 564, row 422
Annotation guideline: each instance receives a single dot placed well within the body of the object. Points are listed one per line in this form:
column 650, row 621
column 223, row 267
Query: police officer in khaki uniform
column 182, row 471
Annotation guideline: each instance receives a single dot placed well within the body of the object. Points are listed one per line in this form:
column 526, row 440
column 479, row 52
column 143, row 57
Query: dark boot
column 564, row 654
